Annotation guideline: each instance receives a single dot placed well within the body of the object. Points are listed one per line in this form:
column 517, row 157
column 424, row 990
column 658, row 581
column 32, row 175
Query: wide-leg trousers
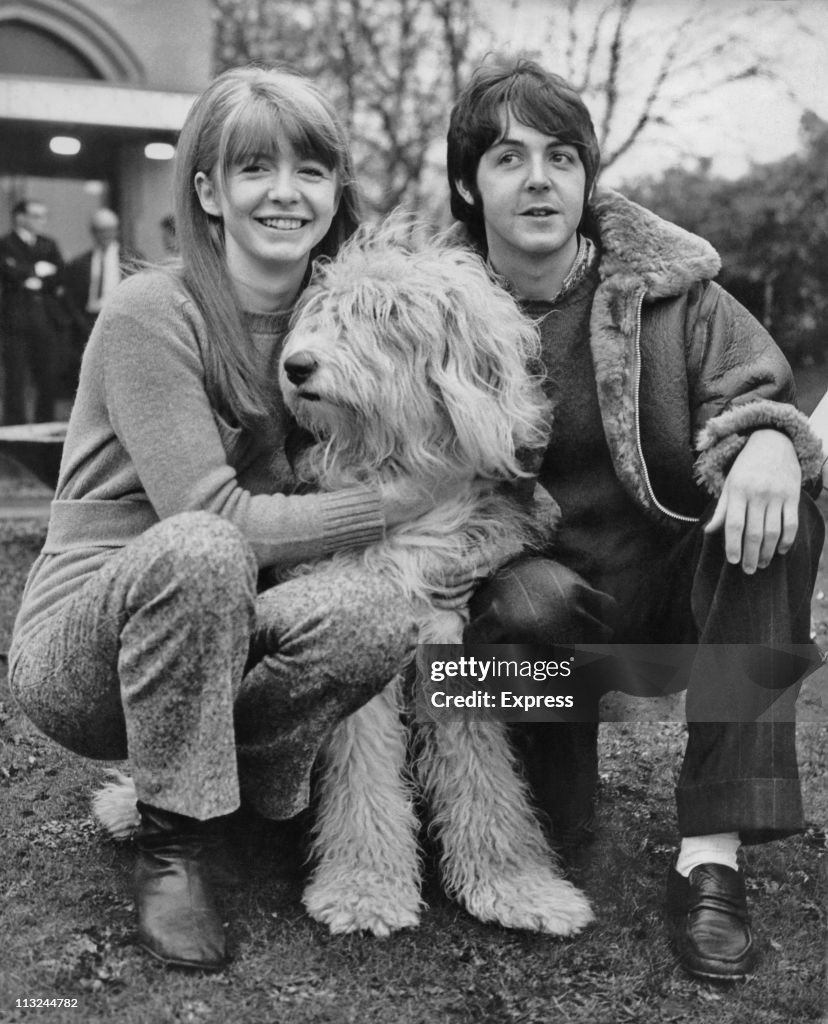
column 169, row 657
column 740, row 769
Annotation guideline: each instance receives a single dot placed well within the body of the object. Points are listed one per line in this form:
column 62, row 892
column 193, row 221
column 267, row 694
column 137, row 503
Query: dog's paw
column 371, row 904
column 536, row 901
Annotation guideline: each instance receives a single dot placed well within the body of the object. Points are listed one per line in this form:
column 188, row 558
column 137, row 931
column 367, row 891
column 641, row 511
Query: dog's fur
column 408, row 363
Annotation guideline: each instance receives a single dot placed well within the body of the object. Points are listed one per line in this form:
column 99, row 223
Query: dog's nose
column 299, row 367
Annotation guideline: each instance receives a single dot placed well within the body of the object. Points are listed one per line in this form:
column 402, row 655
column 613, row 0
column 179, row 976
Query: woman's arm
column 147, row 350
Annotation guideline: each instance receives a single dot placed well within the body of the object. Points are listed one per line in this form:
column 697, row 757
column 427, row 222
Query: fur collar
column 642, row 257
column 643, row 250
column 638, row 248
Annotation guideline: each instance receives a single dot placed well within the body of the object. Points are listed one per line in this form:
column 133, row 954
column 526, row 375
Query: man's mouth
column 282, row 223
column 539, row 211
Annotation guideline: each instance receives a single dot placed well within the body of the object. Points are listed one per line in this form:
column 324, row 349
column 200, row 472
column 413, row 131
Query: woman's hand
column 455, row 588
column 406, row 500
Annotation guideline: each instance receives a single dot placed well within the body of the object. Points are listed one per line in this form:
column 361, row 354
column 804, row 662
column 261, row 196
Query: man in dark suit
column 33, row 316
column 91, row 277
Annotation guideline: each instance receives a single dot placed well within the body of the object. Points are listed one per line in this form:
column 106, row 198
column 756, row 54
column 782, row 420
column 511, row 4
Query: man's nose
column 538, row 174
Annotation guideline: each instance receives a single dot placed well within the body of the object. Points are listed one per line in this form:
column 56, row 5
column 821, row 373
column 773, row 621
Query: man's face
column 34, row 218
column 531, row 188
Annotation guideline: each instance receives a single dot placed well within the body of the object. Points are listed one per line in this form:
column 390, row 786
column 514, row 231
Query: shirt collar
column 584, row 261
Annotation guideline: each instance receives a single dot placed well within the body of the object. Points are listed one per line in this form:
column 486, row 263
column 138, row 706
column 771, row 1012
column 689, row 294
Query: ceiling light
column 64, row 145
column 159, row 151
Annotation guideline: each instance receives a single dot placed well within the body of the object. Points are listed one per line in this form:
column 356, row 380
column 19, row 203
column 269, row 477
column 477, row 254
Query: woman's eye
column 313, row 171
column 507, row 158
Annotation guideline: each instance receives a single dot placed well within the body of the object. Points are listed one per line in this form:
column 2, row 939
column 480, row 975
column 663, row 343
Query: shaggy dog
column 407, row 363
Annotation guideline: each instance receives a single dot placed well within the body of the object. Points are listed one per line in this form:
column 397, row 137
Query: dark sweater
column 604, row 536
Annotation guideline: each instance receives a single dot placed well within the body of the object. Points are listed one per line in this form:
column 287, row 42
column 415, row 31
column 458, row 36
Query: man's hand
column 759, row 504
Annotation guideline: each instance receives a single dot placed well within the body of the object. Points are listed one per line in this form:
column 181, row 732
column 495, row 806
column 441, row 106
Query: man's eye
column 507, row 158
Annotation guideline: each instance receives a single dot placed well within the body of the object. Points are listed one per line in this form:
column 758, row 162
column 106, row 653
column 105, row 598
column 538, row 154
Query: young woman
column 141, row 633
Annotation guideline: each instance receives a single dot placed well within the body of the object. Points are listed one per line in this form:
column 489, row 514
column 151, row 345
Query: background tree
column 641, row 65
column 771, row 229
column 394, row 67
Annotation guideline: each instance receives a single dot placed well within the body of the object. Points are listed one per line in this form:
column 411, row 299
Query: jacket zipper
column 637, row 410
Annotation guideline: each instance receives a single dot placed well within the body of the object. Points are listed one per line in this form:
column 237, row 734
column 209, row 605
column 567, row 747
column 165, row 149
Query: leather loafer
column 710, row 924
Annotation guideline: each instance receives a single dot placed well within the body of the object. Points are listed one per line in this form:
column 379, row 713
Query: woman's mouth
column 282, row 223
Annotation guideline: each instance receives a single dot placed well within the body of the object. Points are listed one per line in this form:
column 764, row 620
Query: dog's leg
column 367, row 875
column 495, row 859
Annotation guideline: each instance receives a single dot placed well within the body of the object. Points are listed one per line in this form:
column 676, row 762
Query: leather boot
column 178, row 920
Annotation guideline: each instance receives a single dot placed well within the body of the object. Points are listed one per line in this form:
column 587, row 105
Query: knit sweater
column 144, row 443
column 603, row 534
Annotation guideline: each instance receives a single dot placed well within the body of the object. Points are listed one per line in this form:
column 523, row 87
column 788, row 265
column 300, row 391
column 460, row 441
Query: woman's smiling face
column 275, row 208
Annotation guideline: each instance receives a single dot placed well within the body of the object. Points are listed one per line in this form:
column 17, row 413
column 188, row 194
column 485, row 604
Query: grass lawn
column 66, row 909
column 67, row 920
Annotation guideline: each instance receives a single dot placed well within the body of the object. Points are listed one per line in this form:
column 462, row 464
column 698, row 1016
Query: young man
column 677, row 459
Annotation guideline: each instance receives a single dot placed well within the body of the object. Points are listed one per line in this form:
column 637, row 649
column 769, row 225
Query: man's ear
column 464, row 192
column 207, row 194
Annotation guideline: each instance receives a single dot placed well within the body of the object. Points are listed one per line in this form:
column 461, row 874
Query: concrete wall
column 171, row 38
column 162, row 44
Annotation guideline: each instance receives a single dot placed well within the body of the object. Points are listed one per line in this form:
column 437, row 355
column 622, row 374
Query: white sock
column 718, row 848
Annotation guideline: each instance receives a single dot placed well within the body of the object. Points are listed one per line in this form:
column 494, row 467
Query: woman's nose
column 282, row 187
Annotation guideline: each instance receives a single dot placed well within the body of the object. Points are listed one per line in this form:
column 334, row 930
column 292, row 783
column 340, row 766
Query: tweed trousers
column 740, row 771
column 167, row 656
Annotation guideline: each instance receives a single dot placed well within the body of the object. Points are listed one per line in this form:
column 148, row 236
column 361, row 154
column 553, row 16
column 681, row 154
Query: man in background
column 168, row 239
column 32, row 313
column 90, row 278
column 93, row 275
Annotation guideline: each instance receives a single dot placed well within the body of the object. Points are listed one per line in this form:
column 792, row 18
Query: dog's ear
column 483, row 373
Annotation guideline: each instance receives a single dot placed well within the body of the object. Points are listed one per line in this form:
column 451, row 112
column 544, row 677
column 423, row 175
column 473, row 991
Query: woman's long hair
column 243, row 113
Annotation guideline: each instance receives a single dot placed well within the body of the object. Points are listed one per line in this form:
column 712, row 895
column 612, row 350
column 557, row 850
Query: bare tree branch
column 394, row 67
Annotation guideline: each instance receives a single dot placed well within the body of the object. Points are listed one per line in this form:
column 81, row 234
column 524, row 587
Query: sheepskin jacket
column 683, row 372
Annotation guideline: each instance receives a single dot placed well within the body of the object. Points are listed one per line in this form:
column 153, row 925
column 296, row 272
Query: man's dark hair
column 534, row 97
